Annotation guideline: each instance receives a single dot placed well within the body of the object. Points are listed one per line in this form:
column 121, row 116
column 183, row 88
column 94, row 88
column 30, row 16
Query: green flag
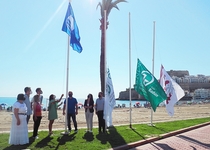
column 148, row 86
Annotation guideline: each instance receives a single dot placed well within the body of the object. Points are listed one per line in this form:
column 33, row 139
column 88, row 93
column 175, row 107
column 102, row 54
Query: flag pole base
column 130, row 127
column 152, row 125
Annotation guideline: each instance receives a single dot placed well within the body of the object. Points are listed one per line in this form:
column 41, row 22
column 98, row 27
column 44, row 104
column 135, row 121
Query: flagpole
column 153, row 62
column 105, row 69
column 130, row 69
column 67, row 81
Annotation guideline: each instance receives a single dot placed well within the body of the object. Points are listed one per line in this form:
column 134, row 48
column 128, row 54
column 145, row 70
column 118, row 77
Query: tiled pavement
column 192, row 138
column 197, row 139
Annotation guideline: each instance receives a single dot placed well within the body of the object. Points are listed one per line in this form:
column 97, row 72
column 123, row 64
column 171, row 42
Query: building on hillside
column 189, row 84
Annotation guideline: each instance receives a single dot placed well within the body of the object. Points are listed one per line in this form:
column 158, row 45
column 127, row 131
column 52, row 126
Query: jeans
column 73, row 116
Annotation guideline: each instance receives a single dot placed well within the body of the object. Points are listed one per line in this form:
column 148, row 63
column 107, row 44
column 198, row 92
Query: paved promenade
column 197, row 139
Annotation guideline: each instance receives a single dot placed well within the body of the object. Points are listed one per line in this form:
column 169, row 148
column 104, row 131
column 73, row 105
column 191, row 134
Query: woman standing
column 88, row 105
column 52, row 114
column 37, row 116
column 19, row 127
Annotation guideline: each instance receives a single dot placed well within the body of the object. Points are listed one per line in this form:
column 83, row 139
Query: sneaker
column 36, row 137
column 75, row 131
column 91, row 131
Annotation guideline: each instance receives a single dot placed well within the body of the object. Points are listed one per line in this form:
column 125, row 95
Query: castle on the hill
column 189, row 83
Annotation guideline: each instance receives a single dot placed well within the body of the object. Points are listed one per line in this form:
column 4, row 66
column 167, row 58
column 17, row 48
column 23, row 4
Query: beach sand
column 120, row 116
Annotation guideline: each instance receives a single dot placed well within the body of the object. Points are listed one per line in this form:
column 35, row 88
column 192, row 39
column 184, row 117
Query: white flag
column 109, row 100
column 172, row 89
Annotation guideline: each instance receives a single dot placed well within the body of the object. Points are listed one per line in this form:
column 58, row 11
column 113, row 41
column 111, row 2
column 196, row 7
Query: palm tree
column 105, row 5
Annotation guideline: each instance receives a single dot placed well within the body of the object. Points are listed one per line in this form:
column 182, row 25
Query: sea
column 9, row 101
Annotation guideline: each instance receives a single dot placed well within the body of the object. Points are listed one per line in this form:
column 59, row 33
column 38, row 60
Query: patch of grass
column 116, row 136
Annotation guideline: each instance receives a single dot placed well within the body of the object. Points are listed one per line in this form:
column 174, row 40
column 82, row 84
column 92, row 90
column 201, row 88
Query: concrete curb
column 162, row 136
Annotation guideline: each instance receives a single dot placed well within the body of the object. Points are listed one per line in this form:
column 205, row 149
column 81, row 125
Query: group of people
column 23, row 108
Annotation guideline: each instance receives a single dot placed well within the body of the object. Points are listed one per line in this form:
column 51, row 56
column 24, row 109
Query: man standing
column 100, row 112
column 27, row 91
column 72, row 111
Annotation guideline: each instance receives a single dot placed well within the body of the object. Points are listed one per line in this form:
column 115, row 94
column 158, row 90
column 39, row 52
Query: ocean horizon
column 9, row 101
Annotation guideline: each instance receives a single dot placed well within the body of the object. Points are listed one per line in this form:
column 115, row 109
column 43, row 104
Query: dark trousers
column 73, row 116
column 101, row 121
column 27, row 118
column 36, row 125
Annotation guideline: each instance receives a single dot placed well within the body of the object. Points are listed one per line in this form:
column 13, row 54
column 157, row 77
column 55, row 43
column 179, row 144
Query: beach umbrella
column 4, row 104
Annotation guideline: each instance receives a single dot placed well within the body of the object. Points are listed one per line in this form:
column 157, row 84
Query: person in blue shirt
column 72, row 111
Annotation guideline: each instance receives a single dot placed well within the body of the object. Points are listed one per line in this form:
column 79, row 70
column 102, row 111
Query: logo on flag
column 109, row 100
column 173, row 91
column 148, row 86
column 71, row 28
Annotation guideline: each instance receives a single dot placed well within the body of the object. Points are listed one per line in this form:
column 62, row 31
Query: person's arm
column 76, row 109
column 16, row 110
column 85, row 104
column 96, row 107
column 31, row 102
column 60, row 98
column 34, row 110
column 92, row 104
column 64, row 108
column 60, row 104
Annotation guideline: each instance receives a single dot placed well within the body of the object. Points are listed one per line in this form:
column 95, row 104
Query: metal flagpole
column 153, row 60
column 105, row 70
column 130, row 68
column 67, row 81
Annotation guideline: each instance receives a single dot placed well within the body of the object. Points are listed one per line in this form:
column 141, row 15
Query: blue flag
column 70, row 27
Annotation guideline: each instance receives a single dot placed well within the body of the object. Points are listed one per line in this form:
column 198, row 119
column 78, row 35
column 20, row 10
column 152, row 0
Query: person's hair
column 90, row 96
column 101, row 93
column 36, row 98
column 27, row 89
column 51, row 97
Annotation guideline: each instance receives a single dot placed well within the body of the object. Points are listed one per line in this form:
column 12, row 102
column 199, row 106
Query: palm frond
column 100, row 5
column 114, row 5
column 108, row 5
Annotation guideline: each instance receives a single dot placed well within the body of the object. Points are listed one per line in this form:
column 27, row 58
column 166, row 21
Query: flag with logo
column 109, row 100
column 173, row 91
column 71, row 28
column 148, row 86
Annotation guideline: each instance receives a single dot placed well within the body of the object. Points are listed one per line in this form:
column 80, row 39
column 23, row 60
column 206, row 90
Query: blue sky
column 33, row 48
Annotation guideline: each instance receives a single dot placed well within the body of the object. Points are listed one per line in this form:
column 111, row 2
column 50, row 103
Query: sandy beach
column 121, row 116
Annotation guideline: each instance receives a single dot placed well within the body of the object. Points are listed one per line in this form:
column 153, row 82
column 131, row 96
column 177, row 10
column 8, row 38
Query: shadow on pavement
column 163, row 146
column 193, row 141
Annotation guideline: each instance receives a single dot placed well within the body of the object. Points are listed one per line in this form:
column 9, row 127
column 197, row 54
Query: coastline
column 138, row 116
column 131, row 99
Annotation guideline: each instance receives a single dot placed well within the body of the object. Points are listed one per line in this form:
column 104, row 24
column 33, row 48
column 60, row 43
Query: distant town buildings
column 196, row 87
